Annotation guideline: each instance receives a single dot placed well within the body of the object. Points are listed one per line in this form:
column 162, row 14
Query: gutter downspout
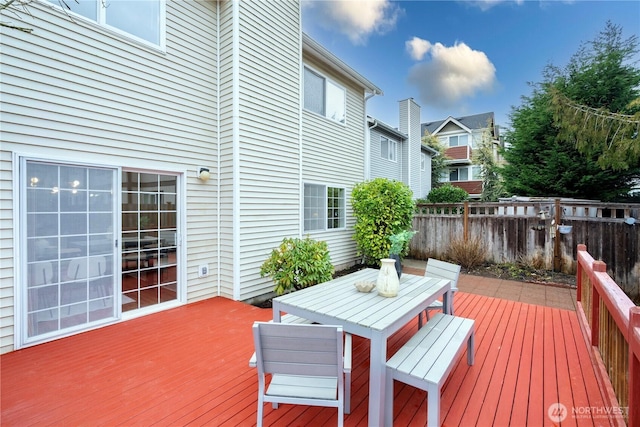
column 367, row 137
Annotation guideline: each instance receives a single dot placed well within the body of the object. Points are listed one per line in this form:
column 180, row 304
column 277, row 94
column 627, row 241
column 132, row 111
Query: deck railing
column 611, row 323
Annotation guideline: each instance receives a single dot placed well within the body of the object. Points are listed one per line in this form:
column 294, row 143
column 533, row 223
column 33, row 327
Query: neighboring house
column 158, row 163
column 460, row 136
column 399, row 153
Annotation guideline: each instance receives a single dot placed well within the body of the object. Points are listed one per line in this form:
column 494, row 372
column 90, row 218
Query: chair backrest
column 41, row 273
column 83, row 268
column 444, row 270
column 299, row 349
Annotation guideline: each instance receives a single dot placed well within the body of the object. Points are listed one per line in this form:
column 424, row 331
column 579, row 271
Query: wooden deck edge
column 602, row 377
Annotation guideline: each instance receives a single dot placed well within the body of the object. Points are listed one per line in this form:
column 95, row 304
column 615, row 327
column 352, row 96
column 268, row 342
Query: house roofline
column 451, row 120
column 373, row 122
column 429, row 150
column 319, row 52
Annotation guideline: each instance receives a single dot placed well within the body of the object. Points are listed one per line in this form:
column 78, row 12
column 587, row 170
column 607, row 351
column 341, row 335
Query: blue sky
column 458, row 58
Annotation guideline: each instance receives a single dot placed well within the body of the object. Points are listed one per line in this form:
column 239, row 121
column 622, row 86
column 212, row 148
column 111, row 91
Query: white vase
column 388, row 283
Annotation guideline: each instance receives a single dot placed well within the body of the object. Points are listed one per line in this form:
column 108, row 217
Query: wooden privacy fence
column 611, row 323
column 544, row 232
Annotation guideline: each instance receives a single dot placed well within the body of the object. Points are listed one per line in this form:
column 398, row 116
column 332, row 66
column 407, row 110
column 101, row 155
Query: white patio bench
column 290, row 318
column 426, row 360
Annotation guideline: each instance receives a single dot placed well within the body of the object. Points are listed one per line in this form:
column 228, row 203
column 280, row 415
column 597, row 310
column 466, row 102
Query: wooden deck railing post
column 581, row 248
column 598, row 266
column 634, row 367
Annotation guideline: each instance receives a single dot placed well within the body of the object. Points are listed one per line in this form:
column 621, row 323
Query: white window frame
column 476, row 173
column 329, row 86
column 458, row 170
column 389, row 149
column 322, row 207
column 457, row 139
column 101, row 21
column 423, row 162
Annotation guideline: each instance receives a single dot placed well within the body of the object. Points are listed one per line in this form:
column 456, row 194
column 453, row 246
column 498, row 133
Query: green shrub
column 447, row 194
column 381, row 207
column 298, row 263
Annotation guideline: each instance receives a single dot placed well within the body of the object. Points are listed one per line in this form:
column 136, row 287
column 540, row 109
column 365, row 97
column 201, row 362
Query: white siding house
column 106, row 128
column 398, row 153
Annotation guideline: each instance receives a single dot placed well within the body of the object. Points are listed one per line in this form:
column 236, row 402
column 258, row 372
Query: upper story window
column 388, row 149
column 455, row 140
column 141, row 19
column 324, row 207
column 459, row 174
column 324, row 97
column 423, row 162
column 476, row 172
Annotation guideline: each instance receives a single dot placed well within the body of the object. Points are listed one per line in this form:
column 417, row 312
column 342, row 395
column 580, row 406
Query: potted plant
column 399, row 247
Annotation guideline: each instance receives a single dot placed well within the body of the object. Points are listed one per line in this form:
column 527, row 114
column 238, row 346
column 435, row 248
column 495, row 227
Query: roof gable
column 466, row 123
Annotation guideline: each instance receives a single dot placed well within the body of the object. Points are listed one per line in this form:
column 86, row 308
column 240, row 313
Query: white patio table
column 369, row 315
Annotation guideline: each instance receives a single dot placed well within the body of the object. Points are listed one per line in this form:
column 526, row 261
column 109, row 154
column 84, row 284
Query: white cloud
column 357, row 19
column 451, row 74
column 417, row 48
column 488, row 4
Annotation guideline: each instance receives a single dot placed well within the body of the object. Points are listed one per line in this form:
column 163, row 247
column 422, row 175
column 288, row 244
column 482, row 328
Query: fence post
column 465, row 221
column 557, row 259
column 598, row 266
column 634, row 368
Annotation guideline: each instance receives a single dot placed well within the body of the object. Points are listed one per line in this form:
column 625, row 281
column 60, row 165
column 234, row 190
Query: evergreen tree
column 492, row 186
column 543, row 154
column 439, row 161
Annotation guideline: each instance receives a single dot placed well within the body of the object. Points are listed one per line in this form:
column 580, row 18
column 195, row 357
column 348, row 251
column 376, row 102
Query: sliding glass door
column 70, row 215
column 149, row 231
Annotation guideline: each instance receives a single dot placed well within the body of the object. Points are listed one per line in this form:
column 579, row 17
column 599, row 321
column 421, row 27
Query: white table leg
column 377, row 379
column 276, row 312
column 446, row 302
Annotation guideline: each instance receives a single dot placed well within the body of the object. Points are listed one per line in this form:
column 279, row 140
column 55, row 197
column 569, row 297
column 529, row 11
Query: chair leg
column 348, row 350
column 347, row 393
column 260, row 410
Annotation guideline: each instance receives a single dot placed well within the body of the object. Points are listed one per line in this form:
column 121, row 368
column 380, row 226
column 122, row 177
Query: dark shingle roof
column 476, row 121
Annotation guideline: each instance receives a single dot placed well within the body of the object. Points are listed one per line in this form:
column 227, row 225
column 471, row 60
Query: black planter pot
column 398, row 263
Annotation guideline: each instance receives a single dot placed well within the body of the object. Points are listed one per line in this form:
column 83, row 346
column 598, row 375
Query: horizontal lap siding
column 269, row 134
column 384, row 168
column 333, row 154
column 74, row 91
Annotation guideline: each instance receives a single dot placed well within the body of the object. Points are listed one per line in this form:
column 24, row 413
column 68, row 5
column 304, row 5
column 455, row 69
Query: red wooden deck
column 189, row 366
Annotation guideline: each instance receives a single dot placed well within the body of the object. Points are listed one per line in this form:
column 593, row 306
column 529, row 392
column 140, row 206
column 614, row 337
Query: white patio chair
column 442, row 270
column 306, row 364
column 88, row 268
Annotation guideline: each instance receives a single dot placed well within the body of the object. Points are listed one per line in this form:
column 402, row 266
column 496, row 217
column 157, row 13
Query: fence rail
column 612, row 325
column 546, row 232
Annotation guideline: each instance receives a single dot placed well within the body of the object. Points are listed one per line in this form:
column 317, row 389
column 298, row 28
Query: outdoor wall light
column 204, row 174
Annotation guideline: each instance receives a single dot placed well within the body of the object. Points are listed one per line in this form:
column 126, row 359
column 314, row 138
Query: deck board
column 189, row 366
